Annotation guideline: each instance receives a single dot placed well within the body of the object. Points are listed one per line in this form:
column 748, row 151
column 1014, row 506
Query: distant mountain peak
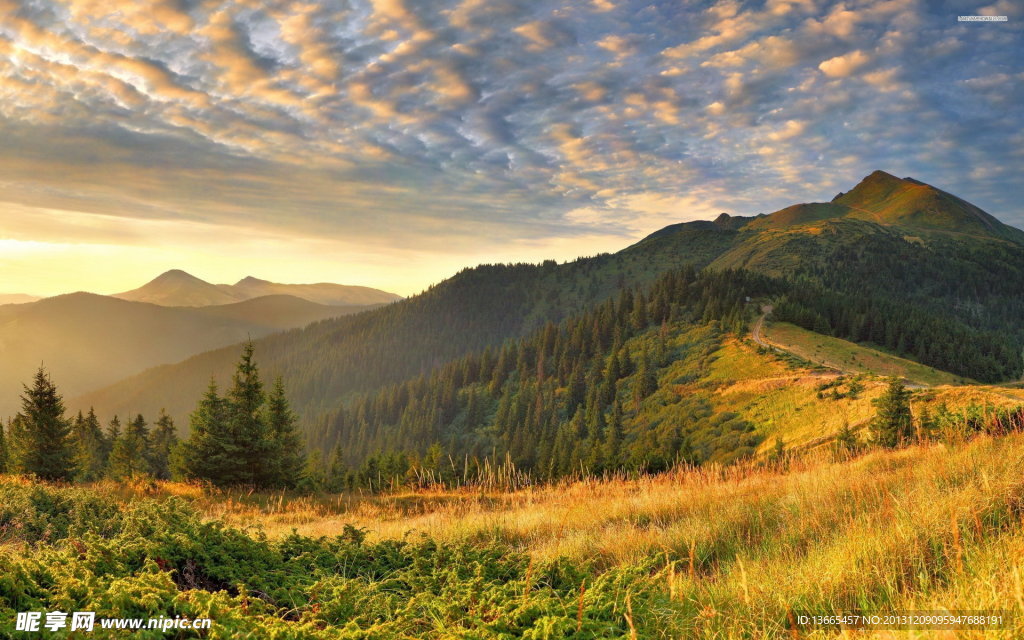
column 250, row 280
column 177, row 288
column 175, row 274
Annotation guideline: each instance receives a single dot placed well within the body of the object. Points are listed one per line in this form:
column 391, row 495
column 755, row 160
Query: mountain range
column 894, row 262
column 16, row 298
column 177, row 288
column 88, row 341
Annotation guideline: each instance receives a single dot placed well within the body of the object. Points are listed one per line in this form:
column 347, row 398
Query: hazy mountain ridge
column 87, row 341
column 177, row 288
column 16, row 298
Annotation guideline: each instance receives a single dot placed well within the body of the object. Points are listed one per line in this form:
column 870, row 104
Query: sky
column 389, row 143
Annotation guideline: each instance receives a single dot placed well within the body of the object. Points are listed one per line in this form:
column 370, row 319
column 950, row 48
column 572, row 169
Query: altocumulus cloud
column 437, row 123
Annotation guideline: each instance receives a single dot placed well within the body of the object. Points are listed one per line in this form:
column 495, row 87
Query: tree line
column 245, row 437
column 567, row 399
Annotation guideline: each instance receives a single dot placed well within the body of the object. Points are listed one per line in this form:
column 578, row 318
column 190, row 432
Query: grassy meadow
column 848, row 356
column 715, row 552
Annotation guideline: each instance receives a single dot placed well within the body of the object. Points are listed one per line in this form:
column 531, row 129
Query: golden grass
column 931, row 527
column 848, row 356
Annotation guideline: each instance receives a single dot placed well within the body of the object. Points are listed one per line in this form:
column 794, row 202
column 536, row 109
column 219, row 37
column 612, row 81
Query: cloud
column 844, row 65
column 387, row 122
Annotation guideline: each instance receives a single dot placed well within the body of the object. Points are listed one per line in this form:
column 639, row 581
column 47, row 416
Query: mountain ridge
column 88, row 340
column 178, row 288
column 904, row 203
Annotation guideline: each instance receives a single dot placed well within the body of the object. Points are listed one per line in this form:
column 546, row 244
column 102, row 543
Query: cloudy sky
column 391, row 142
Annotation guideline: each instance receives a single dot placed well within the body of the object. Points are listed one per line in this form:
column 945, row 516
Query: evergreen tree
column 246, row 425
column 336, row 472
column 45, row 445
column 846, row 441
column 285, row 463
column 90, row 447
column 892, row 426
column 112, row 434
column 314, row 476
column 646, row 379
column 163, row 441
column 130, row 456
column 613, row 438
column 210, row 453
column 245, row 437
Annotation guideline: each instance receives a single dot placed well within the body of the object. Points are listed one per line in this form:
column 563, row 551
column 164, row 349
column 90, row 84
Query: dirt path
column 757, row 334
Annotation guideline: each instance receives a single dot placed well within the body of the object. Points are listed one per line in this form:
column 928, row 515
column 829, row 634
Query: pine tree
column 314, row 476
column 243, row 438
column 285, row 464
column 163, row 440
column 892, row 426
column 613, row 438
column 112, row 434
column 336, row 472
column 846, row 441
column 90, row 447
column 246, row 426
column 130, row 455
column 45, row 446
column 210, row 453
column 646, row 378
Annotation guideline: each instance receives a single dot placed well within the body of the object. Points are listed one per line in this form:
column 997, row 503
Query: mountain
column 279, row 312
column 906, row 204
column 323, row 293
column 911, row 280
column 16, row 298
column 177, row 288
column 87, row 341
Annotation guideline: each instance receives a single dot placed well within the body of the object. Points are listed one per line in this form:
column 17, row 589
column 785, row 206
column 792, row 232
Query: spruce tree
column 247, row 427
column 892, row 426
column 646, row 377
column 163, row 440
column 336, row 472
column 613, row 438
column 45, row 446
column 285, row 464
column 130, row 456
column 210, row 453
column 90, row 447
column 244, row 437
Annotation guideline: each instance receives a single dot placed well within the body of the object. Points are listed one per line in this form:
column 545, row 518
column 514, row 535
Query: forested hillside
column 476, row 308
column 919, row 285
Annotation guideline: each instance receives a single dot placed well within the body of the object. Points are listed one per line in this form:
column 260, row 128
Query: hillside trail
column 756, row 333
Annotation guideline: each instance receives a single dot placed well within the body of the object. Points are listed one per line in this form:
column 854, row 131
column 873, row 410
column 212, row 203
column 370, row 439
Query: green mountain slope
column 888, row 200
column 950, row 299
column 476, row 308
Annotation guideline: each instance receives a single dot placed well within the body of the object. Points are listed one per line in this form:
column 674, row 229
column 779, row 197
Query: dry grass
column 930, row 527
